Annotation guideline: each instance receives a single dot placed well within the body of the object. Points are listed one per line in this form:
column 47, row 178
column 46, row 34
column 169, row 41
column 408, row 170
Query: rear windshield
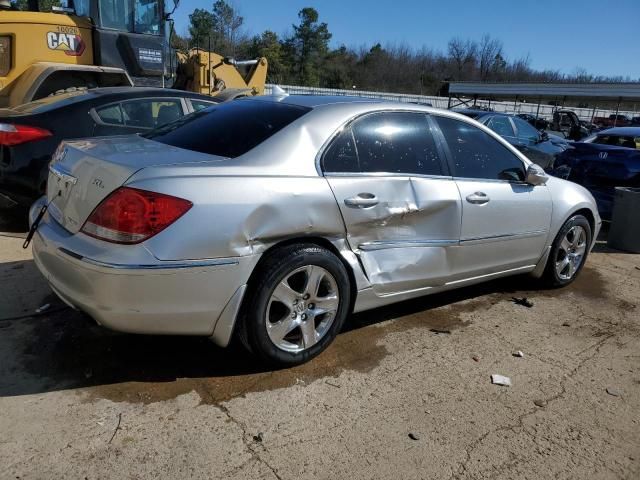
column 230, row 129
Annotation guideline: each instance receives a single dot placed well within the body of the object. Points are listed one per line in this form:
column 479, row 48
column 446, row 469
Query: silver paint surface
column 422, row 235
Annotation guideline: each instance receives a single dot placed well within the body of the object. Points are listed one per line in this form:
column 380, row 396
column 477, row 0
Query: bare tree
column 463, row 54
column 489, row 52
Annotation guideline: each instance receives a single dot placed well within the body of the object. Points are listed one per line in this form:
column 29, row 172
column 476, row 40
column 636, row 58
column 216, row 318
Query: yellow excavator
column 97, row 43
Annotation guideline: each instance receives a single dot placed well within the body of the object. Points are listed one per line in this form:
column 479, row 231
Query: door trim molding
column 499, row 238
column 384, row 244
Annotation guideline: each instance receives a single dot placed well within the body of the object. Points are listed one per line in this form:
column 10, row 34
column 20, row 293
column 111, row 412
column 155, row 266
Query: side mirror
column 536, row 175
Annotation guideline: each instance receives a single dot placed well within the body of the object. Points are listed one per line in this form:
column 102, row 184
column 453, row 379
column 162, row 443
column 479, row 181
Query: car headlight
column 5, row 55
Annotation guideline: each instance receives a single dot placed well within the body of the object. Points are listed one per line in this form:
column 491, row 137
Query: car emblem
column 603, row 155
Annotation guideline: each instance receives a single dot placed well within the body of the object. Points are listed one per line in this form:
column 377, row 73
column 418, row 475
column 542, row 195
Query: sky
column 601, row 36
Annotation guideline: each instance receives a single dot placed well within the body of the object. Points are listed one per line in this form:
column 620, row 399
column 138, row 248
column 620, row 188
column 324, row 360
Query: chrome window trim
column 382, row 245
column 178, row 264
column 494, row 180
column 386, row 174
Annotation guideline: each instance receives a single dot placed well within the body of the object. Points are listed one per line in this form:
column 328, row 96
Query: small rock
column 413, row 436
column 613, row 392
column 440, row 330
column 500, row 380
column 540, row 403
column 258, row 438
column 518, row 354
column 523, row 302
column 476, row 358
column 43, row 308
column 566, row 324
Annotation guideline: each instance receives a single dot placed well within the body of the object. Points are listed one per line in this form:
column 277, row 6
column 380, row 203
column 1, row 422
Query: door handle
column 478, row 198
column 362, row 200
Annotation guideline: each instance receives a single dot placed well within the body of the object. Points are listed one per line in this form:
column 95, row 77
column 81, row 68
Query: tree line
column 304, row 57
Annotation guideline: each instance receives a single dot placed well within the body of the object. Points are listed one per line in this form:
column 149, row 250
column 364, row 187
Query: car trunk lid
column 83, row 172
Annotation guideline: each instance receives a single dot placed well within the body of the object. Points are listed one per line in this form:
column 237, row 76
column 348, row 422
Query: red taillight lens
column 17, row 134
column 130, row 215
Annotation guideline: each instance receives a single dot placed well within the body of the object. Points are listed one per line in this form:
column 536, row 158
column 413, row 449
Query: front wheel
column 568, row 252
column 296, row 306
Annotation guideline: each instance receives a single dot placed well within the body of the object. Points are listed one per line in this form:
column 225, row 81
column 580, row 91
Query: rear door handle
column 478, row 198
column 362, row 200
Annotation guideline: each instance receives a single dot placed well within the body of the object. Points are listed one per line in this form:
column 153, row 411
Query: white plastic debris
column 518, row 354
column 500, row 380
column 43, row 308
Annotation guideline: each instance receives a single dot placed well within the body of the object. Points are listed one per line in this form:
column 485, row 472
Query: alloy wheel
column 571, row 252
column 302, row 308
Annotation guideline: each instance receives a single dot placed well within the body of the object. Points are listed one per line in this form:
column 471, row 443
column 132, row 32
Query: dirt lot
column 394, row 397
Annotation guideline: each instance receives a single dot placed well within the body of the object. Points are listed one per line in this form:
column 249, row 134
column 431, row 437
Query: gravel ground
column 405, row 392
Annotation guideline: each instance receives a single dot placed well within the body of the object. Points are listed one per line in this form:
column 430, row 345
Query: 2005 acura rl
column 273, row 218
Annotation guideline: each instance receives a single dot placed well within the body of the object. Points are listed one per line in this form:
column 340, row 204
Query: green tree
column 268, row 45
column 226, row 27
column 200, row 27
column 308, row 47
column 43, row 5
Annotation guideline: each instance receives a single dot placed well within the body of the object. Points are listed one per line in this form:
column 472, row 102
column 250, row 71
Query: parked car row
column 539, row 147
column 273, row 218
column 608, row 159
column 30, row 133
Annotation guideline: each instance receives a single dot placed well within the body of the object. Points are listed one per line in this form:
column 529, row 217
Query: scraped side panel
column 404, row 240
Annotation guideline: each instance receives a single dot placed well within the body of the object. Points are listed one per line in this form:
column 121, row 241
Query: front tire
column 296, row 305
column 569, row 252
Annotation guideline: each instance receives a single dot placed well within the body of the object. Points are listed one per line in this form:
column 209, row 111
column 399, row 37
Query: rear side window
column 201, row 104
column 229, row 129
column 386, row 142
column 143, row 113
column 475, row 154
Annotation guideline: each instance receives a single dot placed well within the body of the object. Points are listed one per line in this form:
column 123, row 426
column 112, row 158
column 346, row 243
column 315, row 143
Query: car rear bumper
column 192, row 297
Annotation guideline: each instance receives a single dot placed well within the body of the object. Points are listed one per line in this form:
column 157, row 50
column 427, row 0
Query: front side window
column 618, row 141
column 501, row 125
column 137, row 16
column 147, row 16
column 526, row 132
column 475, row 154
column 82, row 8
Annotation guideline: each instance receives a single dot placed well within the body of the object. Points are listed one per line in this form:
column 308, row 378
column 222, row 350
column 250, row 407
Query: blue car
column 608, row 159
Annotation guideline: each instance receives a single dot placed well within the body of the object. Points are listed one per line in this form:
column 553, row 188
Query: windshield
column 136, row 16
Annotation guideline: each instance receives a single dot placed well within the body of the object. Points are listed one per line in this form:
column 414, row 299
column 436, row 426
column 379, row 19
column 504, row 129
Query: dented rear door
column 401, row 210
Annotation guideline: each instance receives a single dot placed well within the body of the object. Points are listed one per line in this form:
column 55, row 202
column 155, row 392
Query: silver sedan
column 274, row 218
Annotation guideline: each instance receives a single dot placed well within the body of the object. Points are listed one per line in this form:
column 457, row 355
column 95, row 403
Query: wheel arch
column 327, row 244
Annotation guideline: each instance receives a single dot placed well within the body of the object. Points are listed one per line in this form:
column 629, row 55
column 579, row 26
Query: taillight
column 130, row 215
column 17, row 134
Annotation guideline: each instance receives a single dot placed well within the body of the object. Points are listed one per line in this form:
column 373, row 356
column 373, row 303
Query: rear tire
column 569, row 252
column 296, row 305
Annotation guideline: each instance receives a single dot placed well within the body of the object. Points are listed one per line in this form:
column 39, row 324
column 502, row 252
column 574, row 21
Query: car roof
column 115, row 93
column 313, row 101
column 622, row 131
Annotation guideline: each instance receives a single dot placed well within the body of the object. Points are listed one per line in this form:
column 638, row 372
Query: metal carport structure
column 594, row 92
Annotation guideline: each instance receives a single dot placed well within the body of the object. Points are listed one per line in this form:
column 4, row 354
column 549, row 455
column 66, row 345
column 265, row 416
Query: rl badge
column 70, row 43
